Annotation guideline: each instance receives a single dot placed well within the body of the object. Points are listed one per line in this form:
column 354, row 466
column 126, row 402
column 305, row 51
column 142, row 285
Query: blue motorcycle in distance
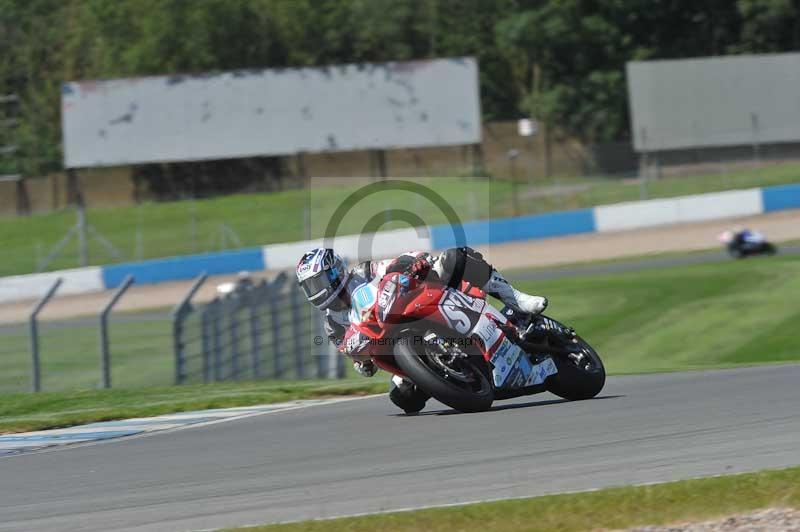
column 745, row 242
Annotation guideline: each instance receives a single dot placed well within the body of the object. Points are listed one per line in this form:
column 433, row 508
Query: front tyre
column 580, row 375
column 451, row 375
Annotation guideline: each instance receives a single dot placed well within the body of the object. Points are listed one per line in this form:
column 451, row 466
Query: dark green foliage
column 561, row 61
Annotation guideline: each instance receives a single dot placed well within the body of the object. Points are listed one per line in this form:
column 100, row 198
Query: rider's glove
column 420, row 269
column 365, row 367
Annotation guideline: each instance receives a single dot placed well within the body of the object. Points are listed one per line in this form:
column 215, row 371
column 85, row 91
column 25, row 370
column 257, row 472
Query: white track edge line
column 144, row 434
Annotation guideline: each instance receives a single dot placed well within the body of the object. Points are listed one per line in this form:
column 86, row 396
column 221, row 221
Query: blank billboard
column 719, row 101
column 271, row 112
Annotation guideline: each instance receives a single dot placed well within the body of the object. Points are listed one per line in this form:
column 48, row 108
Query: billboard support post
column 377, row 160
column 83, row 246
column 82, row 230
column 512, row 163
column 756, row 143
column 478, row 166
column 300, row 160
column 644, row 166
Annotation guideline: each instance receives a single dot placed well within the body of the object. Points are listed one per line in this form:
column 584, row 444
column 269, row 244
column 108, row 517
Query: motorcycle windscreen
column 391, row 288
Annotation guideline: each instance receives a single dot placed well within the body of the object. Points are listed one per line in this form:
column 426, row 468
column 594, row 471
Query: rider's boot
column 406, row 395
column 500, row 288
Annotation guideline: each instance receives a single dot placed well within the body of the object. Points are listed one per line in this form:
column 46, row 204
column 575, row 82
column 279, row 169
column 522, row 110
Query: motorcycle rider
column 327, row 283
column 743, row 236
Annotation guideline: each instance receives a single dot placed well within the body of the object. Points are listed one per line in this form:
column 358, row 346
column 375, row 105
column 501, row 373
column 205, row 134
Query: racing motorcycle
column 459, row 349
column 746, row 243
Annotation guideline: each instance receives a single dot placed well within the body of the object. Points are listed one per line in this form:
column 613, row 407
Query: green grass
column 24, row 411
column 170, row 228
column 688, row 317
column 614, row 508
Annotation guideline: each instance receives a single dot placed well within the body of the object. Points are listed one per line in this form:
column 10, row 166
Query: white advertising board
column 271, row 112
column 715, row 101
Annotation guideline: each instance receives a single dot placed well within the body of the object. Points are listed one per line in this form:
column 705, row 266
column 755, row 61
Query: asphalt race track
column 358, row 456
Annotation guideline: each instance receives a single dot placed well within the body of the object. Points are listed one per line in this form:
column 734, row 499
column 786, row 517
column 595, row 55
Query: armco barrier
column 616, row 217
column 183, row 268
column 782, row 197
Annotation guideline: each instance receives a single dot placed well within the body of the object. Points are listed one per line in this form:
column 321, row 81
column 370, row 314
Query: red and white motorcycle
column 460, row 350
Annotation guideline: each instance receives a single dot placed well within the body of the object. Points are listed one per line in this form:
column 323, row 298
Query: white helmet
column 322, row 274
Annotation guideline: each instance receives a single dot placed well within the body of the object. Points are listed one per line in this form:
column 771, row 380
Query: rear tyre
column 770, row 249
column 578, row 378
column 462, row 381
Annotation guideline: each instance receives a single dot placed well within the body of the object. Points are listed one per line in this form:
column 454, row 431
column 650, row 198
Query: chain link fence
column 70, row 355
column 261, row 330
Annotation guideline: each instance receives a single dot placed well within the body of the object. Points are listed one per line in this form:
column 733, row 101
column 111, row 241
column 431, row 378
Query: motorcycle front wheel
column 449, row 373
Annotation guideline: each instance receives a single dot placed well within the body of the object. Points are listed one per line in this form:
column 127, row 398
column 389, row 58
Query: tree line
column 561, row 61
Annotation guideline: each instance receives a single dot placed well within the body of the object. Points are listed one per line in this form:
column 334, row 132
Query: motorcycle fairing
column 363, row 299
column 511, row 366
column 396, row 298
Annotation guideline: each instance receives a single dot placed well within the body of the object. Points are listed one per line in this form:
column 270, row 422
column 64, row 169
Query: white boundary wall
column 384, row 244
column 682, row 209
column 77, row 281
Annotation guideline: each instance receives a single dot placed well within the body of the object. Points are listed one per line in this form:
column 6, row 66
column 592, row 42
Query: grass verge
column 701, row 316
column 613, row 508
column 25, row 411
column 153, row 230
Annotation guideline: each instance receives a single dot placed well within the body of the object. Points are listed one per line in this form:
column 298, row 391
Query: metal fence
column 261, row 330
column 256, row 331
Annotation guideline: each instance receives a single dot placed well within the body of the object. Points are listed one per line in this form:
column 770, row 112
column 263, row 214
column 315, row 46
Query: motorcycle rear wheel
column 575, row 381
column 477, row 395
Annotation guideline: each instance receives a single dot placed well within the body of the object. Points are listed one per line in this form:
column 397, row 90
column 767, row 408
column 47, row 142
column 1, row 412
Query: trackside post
column 105, row 358
column 179, row 314
column 33, row 326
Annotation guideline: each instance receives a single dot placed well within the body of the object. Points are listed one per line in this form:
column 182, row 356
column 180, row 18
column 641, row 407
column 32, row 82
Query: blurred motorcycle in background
column 743, row 243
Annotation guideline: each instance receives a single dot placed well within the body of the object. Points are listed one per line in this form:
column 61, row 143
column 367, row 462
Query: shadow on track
column 512, row 406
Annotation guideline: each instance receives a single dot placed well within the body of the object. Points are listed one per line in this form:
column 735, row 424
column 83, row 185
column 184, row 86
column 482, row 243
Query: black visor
column 317, row 287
